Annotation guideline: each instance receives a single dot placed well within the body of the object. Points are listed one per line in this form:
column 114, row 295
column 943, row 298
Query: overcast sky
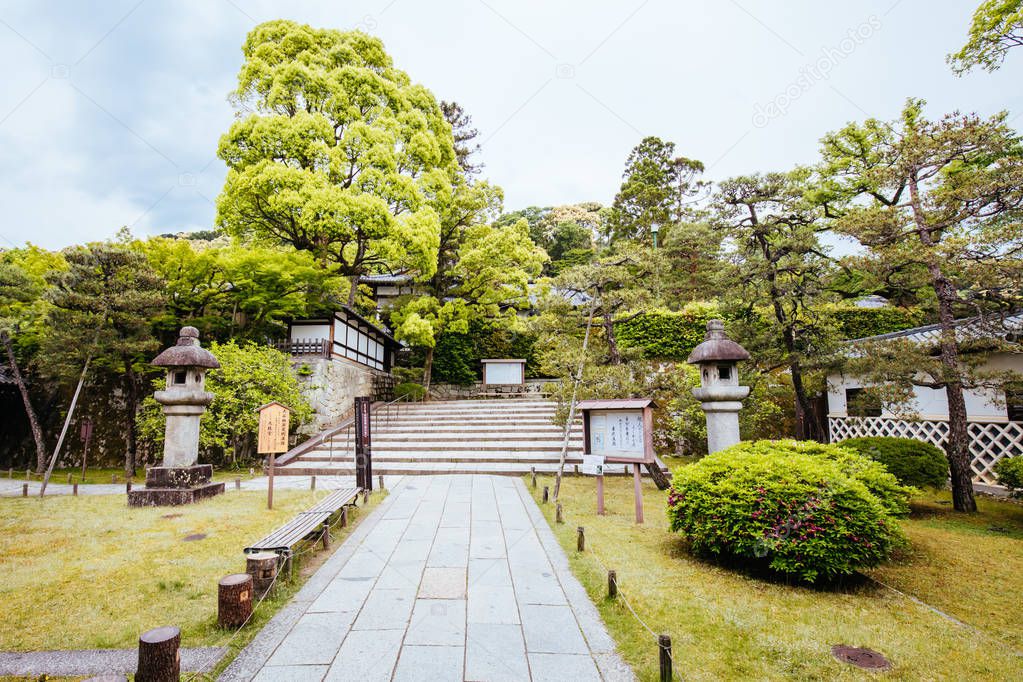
column 110, row 111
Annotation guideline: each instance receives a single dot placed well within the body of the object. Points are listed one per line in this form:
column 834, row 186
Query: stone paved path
column 95, row 661
column 451, row 578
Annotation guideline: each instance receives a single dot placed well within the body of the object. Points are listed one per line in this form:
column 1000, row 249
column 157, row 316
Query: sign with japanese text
column 274, row 421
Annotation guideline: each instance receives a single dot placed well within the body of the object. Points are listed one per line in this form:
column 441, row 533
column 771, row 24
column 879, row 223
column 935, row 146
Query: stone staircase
column 497, row 436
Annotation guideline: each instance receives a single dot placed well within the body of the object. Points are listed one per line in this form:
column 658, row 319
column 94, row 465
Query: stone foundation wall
column 331, row 387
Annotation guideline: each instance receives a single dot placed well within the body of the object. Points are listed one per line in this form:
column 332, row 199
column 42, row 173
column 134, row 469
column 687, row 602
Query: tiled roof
column 967, row 329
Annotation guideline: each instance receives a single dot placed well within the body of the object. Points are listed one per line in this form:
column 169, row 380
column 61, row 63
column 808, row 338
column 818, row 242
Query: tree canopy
column 996, row 28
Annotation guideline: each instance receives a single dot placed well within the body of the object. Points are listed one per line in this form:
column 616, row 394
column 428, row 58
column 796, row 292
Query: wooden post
column 365, row 497
column 24, row 489
column 237, row 482
column 533, row 471
column 344, row 517
column 113, row 478
column 380, row 479
column 664, row 649
column 69, row 478
column 612, row 584
column 312, row 483
column 263, row 567
column 580, row 540
column 10, row 472
column 546, row 494
column 637, row 486
column 127, row 486
column 159, row 659
column 28, row 474
column 600, row 495
column 558, row 514
column 234, row 600
column 74, row 489
column 270, row 482
column 326, row 535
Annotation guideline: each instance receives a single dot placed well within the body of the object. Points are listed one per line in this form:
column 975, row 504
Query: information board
column 593, row 465
column 617, row 434
column 273, row 429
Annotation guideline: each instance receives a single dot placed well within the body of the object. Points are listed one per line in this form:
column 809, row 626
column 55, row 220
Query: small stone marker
column 159, row 658
column 262, row 566
column 234, row 600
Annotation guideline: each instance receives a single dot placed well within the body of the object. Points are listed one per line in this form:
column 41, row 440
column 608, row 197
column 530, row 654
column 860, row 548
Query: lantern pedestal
column 172, row 486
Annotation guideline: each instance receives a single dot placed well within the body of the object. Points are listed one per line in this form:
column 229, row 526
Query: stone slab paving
column 95, row 661
column 11, row 487
column 450, row 578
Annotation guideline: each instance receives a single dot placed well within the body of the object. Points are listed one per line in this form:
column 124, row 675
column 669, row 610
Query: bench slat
column 305, row 523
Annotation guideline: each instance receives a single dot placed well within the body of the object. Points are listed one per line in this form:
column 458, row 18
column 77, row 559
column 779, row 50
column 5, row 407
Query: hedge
column 912, row 461
column 456, row 358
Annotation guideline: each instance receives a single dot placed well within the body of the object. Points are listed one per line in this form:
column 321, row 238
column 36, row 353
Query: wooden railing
column 317, row 347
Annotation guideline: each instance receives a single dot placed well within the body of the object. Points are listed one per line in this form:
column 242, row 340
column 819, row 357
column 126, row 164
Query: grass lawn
column 88, row 572
column 104, row 474
column 726, row 624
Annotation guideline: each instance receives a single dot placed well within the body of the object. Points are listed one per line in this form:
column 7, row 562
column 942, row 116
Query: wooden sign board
column 593, row 465
column 619, row 435
column 274, row 421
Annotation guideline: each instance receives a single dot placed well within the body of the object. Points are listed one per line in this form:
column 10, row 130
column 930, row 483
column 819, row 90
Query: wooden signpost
column 618, row 431
column 274, row 422
column 363, row 444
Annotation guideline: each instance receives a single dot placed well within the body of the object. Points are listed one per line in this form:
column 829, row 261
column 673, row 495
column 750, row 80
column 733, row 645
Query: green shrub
column 801, row 511
column 913, row 462
column 410, row 390
column 857, row 323
column 1010, row 474
column 666, row 334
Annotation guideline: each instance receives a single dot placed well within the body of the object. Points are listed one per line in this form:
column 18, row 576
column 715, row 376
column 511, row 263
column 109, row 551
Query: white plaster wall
column 310, row 332
column 929, row 403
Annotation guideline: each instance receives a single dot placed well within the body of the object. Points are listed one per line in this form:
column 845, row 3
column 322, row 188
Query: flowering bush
column 800, row 510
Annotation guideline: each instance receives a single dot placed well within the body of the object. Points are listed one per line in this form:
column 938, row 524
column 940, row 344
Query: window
column 180, row 376
column 1014, row 401
column 724, row 372
column 859, row 403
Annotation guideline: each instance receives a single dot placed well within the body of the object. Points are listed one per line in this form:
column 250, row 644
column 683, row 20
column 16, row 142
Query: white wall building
column 995, row 417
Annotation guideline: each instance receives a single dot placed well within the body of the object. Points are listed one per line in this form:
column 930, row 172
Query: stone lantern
column 720, row 393
column 180, row 480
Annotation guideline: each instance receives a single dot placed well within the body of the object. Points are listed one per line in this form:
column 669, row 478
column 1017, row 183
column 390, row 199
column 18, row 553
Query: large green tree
column 996, row 28
column 335, row 152
column 100, row 315
column 947, row 197
column 657, row 189
column 780, row 265
column 236, row 290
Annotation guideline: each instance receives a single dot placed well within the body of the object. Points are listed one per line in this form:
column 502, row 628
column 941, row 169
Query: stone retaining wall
column 331, row 387
column 534, row 387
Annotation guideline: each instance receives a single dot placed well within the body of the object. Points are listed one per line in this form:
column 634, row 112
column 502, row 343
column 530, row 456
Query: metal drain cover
column 194, row 536
column 868, row 659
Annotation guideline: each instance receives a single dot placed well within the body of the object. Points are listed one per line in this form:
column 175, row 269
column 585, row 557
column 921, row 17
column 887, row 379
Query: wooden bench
column 307, row 523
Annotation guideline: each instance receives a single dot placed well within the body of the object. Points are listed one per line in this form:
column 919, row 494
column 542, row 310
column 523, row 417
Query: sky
column 110, row 112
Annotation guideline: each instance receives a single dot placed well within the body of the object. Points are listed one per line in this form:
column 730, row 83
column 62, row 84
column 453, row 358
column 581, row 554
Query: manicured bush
column 807, row 513
column 912, row 461
column 857, row 323
column 1010, row 474
column 667, row 334
column 410, row 390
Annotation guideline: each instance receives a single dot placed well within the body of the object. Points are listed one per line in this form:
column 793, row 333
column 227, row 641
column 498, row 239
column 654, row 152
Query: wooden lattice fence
column 989, row 441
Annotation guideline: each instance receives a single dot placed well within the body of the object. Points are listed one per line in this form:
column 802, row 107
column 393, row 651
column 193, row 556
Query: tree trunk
column 957, row 447
column 427, row 373
column 33, row 420
column 131, row 407
column 614, row 356
column 353, row 289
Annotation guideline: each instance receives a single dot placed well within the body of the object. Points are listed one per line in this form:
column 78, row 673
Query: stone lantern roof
column 187, row 352
column 717, row 347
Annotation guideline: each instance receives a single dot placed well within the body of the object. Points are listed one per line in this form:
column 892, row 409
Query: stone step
column 534, row 431
column 424, row 468
column 464, row 446
column 523, row 439
column 573, row 455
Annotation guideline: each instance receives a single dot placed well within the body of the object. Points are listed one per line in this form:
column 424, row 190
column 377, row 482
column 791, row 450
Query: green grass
column 105, row 474
column 728, row 624
column 89, row 572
